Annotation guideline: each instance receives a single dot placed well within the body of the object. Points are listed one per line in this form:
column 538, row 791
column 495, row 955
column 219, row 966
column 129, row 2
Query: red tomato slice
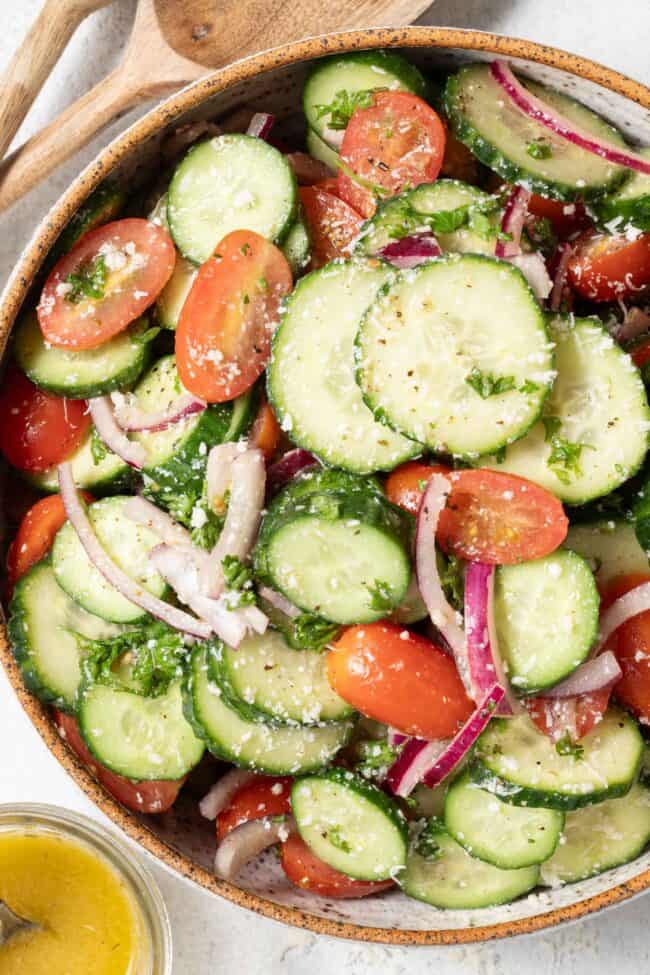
column 36, row 534
column 405, row 485
column 109, row 278
column 156, row 796
column 572, row 716
column 38, row 429
column 307, row 871
column 565, row 218
column 606, row 267
column 398, row 142
column 263, row 796
column 458, row 162
column 265, row 433
column 330, row 185
column 307, row 169
column 333, row 224
column 399, row 678
column 631, row 644
column 223, row 339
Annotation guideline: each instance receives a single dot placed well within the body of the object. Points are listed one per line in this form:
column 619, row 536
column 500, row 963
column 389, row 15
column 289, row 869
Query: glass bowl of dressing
column 98, row 910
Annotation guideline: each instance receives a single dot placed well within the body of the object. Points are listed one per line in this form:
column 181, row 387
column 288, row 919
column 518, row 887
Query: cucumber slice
column 541, row 648
column 425, row 802
column 310, row 378
column 611, row 548
column 172, row 297
column 428, row 345
column 600, row 837
column 274, row 750
column 350, row 824
column 410, row 213
column 342, row 555
column 448, row 877
column 296, row 246
column 519, row 764
column 497, row 832
column 265, row 680
column 231, row 182
column 108, row 475
column 142, row 738
column 361, row 71
column 320, row 150
column 79, row 375
column 593, row 433
column 104, row 204
column 127, row 544
column 43, row 621
column 500, row 135
column 628, row 206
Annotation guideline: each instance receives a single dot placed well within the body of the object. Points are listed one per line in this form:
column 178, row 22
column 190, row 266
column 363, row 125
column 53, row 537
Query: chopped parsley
column 452, row 580
column 486, row 384
column 98, row 449
column 566, row 747
column 528, row 387
column 312, row 632
column 539, row 149
column 336, row 839
column 376, row 757
column 88, row 281
column 381, row 597
column 500, row 455
column 564, row 456
column 239, row 580
column 427, row 844
column 343, row 107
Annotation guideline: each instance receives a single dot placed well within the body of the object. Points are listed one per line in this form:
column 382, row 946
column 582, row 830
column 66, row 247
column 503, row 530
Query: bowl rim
column 14, row 293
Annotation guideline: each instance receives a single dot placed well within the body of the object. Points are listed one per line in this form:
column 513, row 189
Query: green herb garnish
column 336, row 839
column 381, row 597
column 486, row 384
column 98, row 449
column 312, row 632
column 239, row 581
column 564, row 456
column 343, row 107
column 565, row 746
column 89, row 281
column 539, row 149
column 427, row 845
column 376, row 757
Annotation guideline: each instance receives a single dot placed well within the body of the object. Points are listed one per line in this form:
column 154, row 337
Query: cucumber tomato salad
column 328, row 469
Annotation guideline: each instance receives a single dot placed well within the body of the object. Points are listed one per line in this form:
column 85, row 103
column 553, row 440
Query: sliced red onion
column 443, row 616
column 216, row 800
column 466, row 737
column 143, row 512
column 132, row 418
column 219, row 473
column 563, row 256
column 635, row 324
column 512, row 222
column 412, row 764
column 248, row 480
column 624, row 608
column 278, row 601
column 396, row 738
column 484, row 661
column 101, row 410
column 285, row 469
column 533, row 268
column 247, row 841
column 411, row 251
column 260, row 125
column 131, row 590
column 541, row 112
column 593, row 675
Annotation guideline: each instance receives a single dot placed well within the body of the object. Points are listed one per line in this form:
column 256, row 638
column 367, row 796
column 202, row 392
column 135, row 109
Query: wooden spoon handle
column 35, row 58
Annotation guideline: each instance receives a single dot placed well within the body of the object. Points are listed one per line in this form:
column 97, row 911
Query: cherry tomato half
column 631, row 644
column 565, row 218
column 572, row 716
column 304, row 869
column 36, row 534
column 265, row 433
column 223, row 339
column 406, row 484
column 333, row 224
column 398, row 141
column 262, row 796
column 606, row 267
column 399, row 678
column 109, row 278
column 38, row 429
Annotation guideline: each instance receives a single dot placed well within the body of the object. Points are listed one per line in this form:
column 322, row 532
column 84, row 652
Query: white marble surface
column 211, row 935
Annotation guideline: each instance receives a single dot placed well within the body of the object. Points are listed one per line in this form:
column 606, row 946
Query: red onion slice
column 512, row 222
column 279, row 602
column 533, row 268
column 593, row 675
column 412, row 764
column 563, row 256
column 79, row 520
column 219, row 473
column 101, row 410
column 247, row 841
column 396, row 738
column 484, row 660
column 285, row 469
column 466, row 737
column 260, row 125
column 132, row 418
column 635, row 324
column 632, row 603
column 541, row 112
column 142, row 512
column 411, row 251
column 220, row 794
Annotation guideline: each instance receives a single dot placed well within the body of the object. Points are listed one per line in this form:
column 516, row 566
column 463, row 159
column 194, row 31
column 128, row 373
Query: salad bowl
column 179, row 838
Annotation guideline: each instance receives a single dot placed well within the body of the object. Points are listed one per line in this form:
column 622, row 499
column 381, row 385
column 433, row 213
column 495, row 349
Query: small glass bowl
column 155, row 957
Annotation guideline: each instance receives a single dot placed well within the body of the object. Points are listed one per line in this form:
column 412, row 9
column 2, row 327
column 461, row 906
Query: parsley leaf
column 564, row 456
column 98, row 449
column 452, row 579
column 565, row 746
column 539, row 149
column 486, row 384
column 376, row 757
column 381, row 597
column 528, row 387
column 427, row 844
column 343, row 107
column 89, row 281
column 312, row 632
column 335, row 837
column 239, row 582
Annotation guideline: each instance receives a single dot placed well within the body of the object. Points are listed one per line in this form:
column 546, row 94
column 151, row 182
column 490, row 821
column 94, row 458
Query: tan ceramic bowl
column 272, row 81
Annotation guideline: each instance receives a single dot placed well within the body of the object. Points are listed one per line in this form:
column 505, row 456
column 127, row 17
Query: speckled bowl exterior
column 180, row 839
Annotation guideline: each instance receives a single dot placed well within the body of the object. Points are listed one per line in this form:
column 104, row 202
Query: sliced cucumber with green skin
column 341, row 555
column 628, row 206
column 106, row 476
column 499, row 135
column 79, row 375
column 296, row 246
column 600, row 837
column 104, row 204
column 270, row 749
column 127, row 544
column 321, row 151
column 541, row 648
column 265, row 680
column 641, row 515
column 610, row 547
column 497, row 832
column 431, row 340
column 140, row 737
column 352, row 73
column 231, row 182
column 171, row 299
column 43, row 621
column 411, row 213
column 593, row 432
column 521, row 765
column 449, row 878
column 350, row 824
column 310, row 379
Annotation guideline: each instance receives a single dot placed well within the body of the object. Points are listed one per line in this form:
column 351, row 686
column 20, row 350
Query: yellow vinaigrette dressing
column 90, row 923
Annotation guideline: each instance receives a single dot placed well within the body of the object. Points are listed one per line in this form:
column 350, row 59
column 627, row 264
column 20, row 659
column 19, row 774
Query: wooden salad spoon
column 174, row 42
column 11, row 923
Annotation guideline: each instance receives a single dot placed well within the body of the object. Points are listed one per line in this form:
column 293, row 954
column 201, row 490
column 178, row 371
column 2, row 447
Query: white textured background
column 210, row 935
